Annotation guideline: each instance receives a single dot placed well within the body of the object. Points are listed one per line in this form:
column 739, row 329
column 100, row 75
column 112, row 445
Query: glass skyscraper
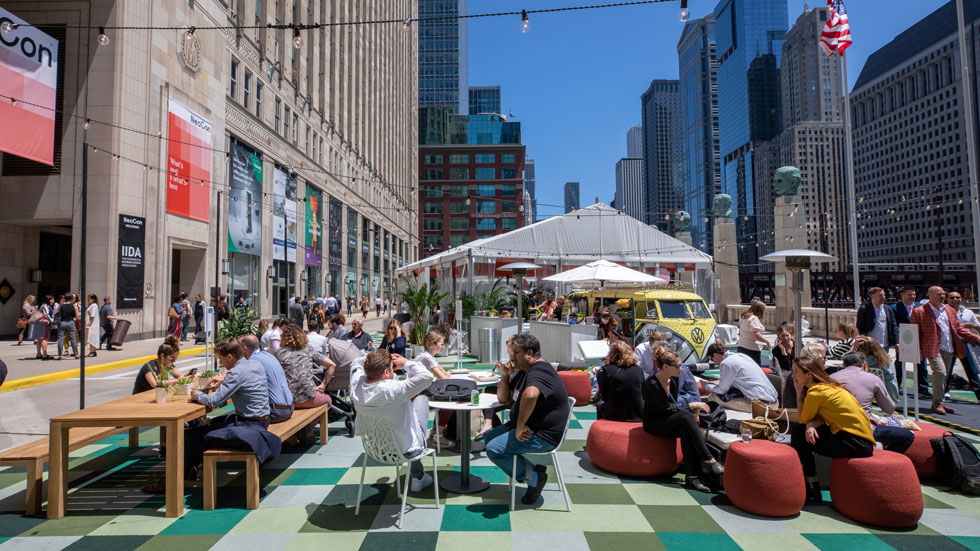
column 661, row 152
column 443, row 67
column 571, row 197
column 743, row 30
column 485, row 100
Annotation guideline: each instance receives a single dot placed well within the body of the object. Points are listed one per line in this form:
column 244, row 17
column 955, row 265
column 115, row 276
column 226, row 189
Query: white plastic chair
column 380, row 444
column 554, row 461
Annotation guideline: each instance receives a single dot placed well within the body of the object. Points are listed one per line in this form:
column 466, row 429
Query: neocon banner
column 129, row 273
column 314, row 229
column 279, row 178
column 188, row 163
column 28, row 73
column 291, row 229
column 244, row 201
column 336, row 222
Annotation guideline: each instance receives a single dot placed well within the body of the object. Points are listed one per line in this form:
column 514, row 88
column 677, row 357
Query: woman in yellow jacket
column 836, row 425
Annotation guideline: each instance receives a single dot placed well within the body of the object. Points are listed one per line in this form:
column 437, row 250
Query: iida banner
column 188, row 163
column 129, row 273
column 29, row 73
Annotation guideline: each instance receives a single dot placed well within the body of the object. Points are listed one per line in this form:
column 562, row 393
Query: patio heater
column 519, row 271
column 798, row 260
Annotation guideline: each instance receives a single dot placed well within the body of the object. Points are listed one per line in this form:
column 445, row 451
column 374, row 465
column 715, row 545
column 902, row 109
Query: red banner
column 188, row 164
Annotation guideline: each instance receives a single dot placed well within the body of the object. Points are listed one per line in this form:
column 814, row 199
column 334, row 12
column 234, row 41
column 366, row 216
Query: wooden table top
column 137, row 408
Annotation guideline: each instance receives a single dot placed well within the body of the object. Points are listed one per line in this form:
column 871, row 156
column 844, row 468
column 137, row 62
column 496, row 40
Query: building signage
column 336, row 223
column 132, row 254
column 244, row 200
column 188, row 163
column 314, row 229
column 29, row 72
column 283, row 215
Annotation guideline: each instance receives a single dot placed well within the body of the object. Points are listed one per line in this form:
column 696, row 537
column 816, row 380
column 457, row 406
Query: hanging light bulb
column 525, row 23
column 86, row 124
column 407, row 23
column 190, row 33
column 685, row 13
column 297, row 38
column 7, row 27
column 468, row 201
column 103, row 39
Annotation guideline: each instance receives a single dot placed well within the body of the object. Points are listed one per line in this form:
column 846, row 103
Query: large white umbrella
column 603, row 272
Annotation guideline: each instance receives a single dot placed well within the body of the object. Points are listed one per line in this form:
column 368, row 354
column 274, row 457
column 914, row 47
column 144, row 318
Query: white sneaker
column 947, row 396
column 419, row 484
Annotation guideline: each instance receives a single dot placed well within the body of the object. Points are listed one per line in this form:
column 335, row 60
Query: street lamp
column 519, row 270
column 798, row 260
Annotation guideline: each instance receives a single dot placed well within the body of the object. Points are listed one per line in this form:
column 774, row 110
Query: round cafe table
column 465, row 483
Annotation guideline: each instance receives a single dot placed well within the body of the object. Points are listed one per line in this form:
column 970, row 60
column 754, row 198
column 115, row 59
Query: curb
column 28, row 382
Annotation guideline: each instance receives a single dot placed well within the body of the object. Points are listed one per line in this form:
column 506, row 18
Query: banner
column 188, row 163
column 314, row 229
column 291, row 229
column 244, row 200
column 28, row 72
column 336, row 223
column 283, row 215
column 129, row 271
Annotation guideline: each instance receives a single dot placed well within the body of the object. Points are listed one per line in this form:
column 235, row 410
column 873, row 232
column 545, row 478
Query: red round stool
column 921, row 453
column 764, row 478
column 627, row 449
column 881, row 490
column 578, row 385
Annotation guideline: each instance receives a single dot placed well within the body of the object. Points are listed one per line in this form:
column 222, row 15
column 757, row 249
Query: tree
column 420, row 300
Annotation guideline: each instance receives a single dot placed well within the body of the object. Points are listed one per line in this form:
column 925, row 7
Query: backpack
column 959, row 463
column 452, row 390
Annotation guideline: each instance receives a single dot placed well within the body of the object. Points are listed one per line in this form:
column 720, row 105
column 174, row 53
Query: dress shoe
column 813, row 492
column 695, row 483
column 532, row 493
column 715, row 467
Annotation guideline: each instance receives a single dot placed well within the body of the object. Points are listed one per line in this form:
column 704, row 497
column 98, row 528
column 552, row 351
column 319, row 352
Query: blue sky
column 574, row 81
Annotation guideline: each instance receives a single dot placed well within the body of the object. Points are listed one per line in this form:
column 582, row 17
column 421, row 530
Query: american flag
column 836, row 35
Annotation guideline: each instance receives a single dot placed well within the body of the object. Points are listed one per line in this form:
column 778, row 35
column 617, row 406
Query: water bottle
column 475, row 397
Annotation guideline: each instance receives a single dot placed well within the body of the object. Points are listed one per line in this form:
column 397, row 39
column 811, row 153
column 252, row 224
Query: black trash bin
column 119, row 333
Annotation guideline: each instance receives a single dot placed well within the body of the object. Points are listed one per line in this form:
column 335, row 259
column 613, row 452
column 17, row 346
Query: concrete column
column 790, row 226
column 726, row 267
column 687, row 277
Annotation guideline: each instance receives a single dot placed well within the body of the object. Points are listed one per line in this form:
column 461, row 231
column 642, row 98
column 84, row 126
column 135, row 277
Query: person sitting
column 868, row 388
column 375, row 390
column 740, row 380
column 432, row 345
column 616, row 336
column 272, row 338
column 280, row 397
column 538, row 416
column 357, row 335
column 246, row 384
column 644, row 352
column 879, row 363
column 665, row 415
column 167, row 354
column 607, row 323
column 298, row 361
column 317, row 341
column 394, row 339
column 836, row 426
column 785, row 349
column 846, row 332
column 816, row 351
column 336, row 326
column 620, row 386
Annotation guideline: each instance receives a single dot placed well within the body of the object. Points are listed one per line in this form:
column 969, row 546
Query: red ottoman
column 920, row 452
column 764, row 478
column 578, row 385
column 626, row 449
column 881, row 490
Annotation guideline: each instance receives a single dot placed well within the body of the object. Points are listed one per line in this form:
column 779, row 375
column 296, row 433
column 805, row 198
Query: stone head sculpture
column 722, row 205
column 786, row 181
column 682, row 221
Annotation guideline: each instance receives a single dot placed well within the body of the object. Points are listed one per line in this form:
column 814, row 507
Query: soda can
column 475, row 397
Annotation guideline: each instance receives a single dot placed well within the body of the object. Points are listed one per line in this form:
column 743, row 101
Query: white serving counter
column 559, row 341
column 504, row 328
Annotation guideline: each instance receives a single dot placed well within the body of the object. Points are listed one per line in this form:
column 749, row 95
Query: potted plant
column 496, row 297
column 183, row 386
column 204, row 378
column 420, row 301
column 164, row 387
column 238, row 323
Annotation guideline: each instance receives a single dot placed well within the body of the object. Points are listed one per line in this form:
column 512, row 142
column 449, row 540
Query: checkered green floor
column 308, row 502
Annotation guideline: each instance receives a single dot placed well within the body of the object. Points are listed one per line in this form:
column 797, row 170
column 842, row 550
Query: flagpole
column 971, row 151
column 851, row 201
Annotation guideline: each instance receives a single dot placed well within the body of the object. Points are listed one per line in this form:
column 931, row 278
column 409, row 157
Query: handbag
column 451, row 390
column 764, row 427
column 21, row 323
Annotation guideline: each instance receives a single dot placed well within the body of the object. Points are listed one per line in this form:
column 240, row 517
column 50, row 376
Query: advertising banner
column 244, row 201
column 279, row 178
column 129, row 271
column 336, row 223
column 314, row 228
column 291, row 229
column 29, row 72
column 188, row 163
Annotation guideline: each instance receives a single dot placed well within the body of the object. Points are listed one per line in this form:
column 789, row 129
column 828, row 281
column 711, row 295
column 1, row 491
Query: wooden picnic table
column 138, row 410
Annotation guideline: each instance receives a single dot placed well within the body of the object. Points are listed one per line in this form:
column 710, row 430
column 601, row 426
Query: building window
column 432, row 224
column 508, row 224
column 258, row 100
column 258, row 15
column 486, row 207
column 486, row 191
column 433, row 159
column 508, row 158
column 277, row 114
column 508, row 173
column 459, row 174
column 459, row 224
column 295, row 128
column 285, row 124
column 485, row 158
column 307, row 143
column 432, row 241
column 459, row 191
column 233, row 87
column 486, row 224
column 459, row 159
column 246, row 88
column 508, row 206
column 458, row 208
column 457, row 240
column 486, row 173
column 432, row 208
column 508, row 190
column 433, row 192
column 432, row 174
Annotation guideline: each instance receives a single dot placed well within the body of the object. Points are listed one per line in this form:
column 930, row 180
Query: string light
column 525, row 23
column 190, row 33
column 7, row 27
column 685, row 13
column 407, row 23
column 297, row 38
column 86, row 124
column 103, row 39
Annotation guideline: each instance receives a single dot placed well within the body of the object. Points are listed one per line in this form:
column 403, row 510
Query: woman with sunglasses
column 167, row 354
column 394, row 339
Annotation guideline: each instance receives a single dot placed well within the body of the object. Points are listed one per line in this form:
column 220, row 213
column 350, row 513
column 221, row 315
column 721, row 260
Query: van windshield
column 698, row 309
column 670, row 309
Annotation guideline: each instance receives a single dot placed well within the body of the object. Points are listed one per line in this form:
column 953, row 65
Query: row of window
column 482, row 190
column 463, row 224
column 485, row 207
column 483, row 173
column 464, row 159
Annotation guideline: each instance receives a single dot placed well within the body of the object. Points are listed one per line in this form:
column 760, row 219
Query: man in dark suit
column 877, row 321
column 903, row 314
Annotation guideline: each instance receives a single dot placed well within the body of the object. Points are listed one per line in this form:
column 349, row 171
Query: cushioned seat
column 578, row 385
column 881, row 490
column 626, row 449
column 764, row 478
column 921, row 453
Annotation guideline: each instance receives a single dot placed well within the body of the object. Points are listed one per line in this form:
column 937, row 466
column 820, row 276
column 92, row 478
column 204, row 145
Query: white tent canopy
column 603, row 272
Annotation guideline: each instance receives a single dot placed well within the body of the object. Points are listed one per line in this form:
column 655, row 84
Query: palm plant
column 496, row 297
column 420, row 301
column 240, row 322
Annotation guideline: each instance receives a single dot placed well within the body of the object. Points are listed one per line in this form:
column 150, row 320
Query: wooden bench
column 285, row 430
column 34, row 455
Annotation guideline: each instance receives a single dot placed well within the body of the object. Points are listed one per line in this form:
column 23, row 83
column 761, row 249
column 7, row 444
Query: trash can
column 489, row 345
column 120, row 332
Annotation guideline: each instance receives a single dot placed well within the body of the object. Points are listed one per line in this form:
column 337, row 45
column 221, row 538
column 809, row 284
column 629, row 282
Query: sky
column 575, row 80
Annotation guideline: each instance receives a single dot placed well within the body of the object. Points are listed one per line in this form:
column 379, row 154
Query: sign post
column 908, row 351
column 209, row 331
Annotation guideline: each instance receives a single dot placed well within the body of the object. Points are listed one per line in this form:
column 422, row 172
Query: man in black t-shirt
column 538, row 416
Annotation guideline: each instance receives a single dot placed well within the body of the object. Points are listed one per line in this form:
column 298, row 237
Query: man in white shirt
column 740, row 380
column 316, row 341
column 331, row 305
column 644, row 352
column 377, row 392
column 968, row 320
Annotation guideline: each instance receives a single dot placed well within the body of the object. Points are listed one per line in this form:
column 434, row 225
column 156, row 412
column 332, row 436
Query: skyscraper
column 629, row 187
column 484, row 100
column 529, row 188
column 443, row 66
column 765, row 124
column 634, row 142
column 743, row 29
column 571, row 197
column 700, row 163
column 663, row 174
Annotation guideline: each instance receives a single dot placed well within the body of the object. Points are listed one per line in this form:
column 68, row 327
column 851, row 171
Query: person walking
column 387, row 304
column 877, row 321
column 350, row 305
column 364, row 307
column 23, row 321
column 185, row 315
column 903, row 314
column 968, row 319
column 106, row 319
column 174, row 315
column 199, row 310
column 67, row 315
column 39, row 327
column 377, row 307
column 92, row 325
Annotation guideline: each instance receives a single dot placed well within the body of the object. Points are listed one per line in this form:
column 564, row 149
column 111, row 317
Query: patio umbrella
column 601, row 272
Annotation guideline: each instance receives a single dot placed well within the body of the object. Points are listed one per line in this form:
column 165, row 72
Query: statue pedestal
column 726, row 267
column 788, row 222
column 687, row 277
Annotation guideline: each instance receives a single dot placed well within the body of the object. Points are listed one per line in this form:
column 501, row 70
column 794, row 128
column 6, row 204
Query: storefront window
column 244, row 280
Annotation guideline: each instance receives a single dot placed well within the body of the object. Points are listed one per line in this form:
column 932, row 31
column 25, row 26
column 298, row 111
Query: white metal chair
column 380, row 444
column 554, row 461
